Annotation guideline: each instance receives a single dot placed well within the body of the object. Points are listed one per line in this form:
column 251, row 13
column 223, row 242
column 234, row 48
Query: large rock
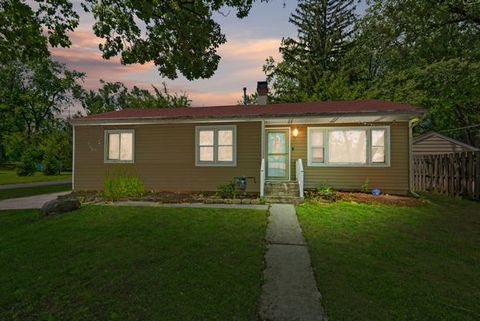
column 60, row 205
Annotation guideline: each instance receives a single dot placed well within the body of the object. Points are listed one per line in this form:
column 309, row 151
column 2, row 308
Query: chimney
column 245, row 96
column 262, row 92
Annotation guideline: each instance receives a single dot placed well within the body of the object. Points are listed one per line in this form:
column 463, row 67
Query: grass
column 131, row 263
column 30, row 191
column 10, row 177
column 378, row 262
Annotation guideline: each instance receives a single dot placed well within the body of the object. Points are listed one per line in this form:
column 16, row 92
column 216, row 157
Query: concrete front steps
column 282, row 192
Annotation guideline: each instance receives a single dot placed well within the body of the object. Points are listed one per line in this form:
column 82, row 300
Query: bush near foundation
column 121, row 183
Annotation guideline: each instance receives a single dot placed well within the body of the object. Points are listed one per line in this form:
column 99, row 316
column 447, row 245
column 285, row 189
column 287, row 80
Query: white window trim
column 105, row 146
column 216, row 162
column 369, row 162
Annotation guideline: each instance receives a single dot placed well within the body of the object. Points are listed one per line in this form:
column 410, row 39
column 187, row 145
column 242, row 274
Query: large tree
column 423, row 52
column 177, row 35
column 34, row 93
column 324, row 35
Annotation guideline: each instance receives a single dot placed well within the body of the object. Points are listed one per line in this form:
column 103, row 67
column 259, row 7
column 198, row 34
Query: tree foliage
column 324, row 35
column 116, row 96
column 179, row 36
column 424, row 52
column 32, row 94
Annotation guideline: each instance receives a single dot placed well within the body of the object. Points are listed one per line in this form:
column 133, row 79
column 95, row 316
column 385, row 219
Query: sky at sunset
column 249, row 42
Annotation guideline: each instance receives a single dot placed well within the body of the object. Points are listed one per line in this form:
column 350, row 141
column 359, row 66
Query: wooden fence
column 456, row 174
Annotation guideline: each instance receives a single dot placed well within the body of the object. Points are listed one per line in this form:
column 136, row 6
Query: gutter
column 233, row 118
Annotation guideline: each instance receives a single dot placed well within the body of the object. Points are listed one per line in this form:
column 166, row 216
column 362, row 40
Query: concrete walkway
column 36, row 201
column 35, row 184
column 290, row 291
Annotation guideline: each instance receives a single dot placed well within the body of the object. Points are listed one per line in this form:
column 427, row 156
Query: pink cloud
column 241, row 66
column 252, row 50
column 214, row 98
column 85, row 56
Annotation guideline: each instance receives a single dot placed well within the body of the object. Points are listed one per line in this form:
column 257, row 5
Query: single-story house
column 340, row 144
column 433, row 143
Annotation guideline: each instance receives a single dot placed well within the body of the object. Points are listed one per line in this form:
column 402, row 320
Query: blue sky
column 249, row 42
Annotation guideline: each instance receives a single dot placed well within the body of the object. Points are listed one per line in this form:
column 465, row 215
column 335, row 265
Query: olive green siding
column 393, row 179
column 165, row 158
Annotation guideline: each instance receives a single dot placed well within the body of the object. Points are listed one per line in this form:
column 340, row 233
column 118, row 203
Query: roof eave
column 86, row 120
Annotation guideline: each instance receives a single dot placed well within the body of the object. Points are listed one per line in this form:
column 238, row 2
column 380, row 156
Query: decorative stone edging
column 205, row 200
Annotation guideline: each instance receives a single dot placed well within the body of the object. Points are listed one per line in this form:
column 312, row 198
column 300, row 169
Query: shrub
column 365, row 184
column 327, row 193
column 227, row 190
column 323, row 192
column 57, row 145
column 27, row 164
column 52, row 166
column 123, row 185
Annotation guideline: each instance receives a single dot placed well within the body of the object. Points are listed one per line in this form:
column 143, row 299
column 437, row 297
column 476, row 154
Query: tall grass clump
column 120, row 183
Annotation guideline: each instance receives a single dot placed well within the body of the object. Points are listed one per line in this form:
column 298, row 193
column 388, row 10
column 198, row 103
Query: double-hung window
column 317, row 150
column 119, row 146
column 353, row 146
column 378, row 146
column 215, row 146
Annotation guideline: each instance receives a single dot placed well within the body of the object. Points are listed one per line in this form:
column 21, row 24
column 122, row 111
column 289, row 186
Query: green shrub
column 123, row 185
column 57, row 144
column 27, row 164
column 323, row 192
column 365, row 185
column 227, row 190
column 52, row 166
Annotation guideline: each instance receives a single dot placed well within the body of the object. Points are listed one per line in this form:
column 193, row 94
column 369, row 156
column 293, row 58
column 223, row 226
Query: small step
column 282, row 189
column 283, row 200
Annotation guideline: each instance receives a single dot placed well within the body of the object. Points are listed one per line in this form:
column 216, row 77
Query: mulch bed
column 383, row 199
column 395, row 200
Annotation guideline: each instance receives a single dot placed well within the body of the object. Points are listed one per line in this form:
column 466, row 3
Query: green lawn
column 29, row 191
column 131, row 263
column 377, row 262
column 10, row 177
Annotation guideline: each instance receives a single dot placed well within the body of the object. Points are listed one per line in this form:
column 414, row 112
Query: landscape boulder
column 60, row 205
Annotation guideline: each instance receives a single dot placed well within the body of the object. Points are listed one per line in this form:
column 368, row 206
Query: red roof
column 270, row 110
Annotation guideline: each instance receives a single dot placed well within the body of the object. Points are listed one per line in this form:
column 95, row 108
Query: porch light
column 295, row 132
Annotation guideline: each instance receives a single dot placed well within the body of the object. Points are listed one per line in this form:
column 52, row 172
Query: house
column 433, row 143
column 340, row 144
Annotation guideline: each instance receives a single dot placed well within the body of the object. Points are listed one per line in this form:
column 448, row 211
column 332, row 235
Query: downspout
column 411, row 124
column 262, row 152
column 73, row 158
